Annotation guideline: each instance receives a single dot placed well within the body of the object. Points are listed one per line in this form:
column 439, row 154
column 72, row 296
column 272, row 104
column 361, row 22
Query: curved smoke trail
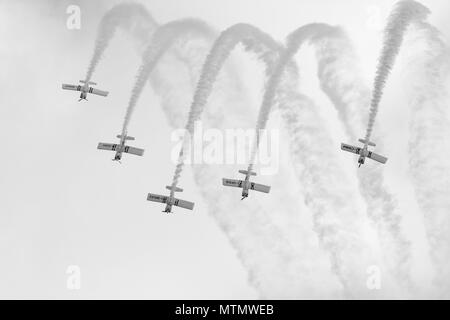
column 404, row 13
column 163, row 39
column 429, row 147
column 121, row 14
column 330, row 194
column 311, row 32
column 304, row 124
column 276, row 266
column 223, row 46
column 340, row 79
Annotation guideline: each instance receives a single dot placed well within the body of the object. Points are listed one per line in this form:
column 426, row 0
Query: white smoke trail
column 120, row 15
column 404, row 13
column 330, row 195
column 340, row 79
column 163, row 38
column 304, row 124
column 429, row 146
column 276, row 267
column 311, row 32
column 223, row 46
column 279, row 80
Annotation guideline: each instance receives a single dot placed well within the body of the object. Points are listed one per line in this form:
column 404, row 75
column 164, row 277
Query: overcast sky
column 65, row 203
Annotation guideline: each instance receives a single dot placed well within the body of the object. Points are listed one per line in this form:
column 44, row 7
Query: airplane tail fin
column 89, row 82
column 368, row 142
column 126, row 137
column 247, row 172
column 175, row 189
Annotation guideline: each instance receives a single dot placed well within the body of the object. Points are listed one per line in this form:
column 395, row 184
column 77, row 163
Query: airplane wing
column 107, row 146
column 71, row 87
column 377, row 157
column 349, row 148
column 98, row 92
column 135, row 151
column 259, row 187
column 183, row 204
column 157, row 198
column 232, row 183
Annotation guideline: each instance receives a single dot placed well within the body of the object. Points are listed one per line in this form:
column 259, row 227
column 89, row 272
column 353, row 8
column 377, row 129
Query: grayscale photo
column 239, row 150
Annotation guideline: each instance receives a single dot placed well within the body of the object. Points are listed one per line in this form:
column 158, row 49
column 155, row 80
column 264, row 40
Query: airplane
column 85, row 89
column 246, row 185
column 121, row 147
column 170, row 200
column 364, row 152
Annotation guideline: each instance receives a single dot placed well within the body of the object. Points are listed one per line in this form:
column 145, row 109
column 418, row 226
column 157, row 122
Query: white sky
column 65, row 203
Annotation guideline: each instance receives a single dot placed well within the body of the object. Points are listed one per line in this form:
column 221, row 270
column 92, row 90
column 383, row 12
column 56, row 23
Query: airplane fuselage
column 168, row 208
column 119, row 150
column 170, row 202
column 245, row 186
column 362, row 155
column 118, row 156
column 84, row 89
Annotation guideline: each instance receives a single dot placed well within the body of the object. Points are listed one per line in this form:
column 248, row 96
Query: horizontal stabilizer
column 247, row 172
column 89, row 82
column 175, row 189
column 368, row 143
column 126, row 137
